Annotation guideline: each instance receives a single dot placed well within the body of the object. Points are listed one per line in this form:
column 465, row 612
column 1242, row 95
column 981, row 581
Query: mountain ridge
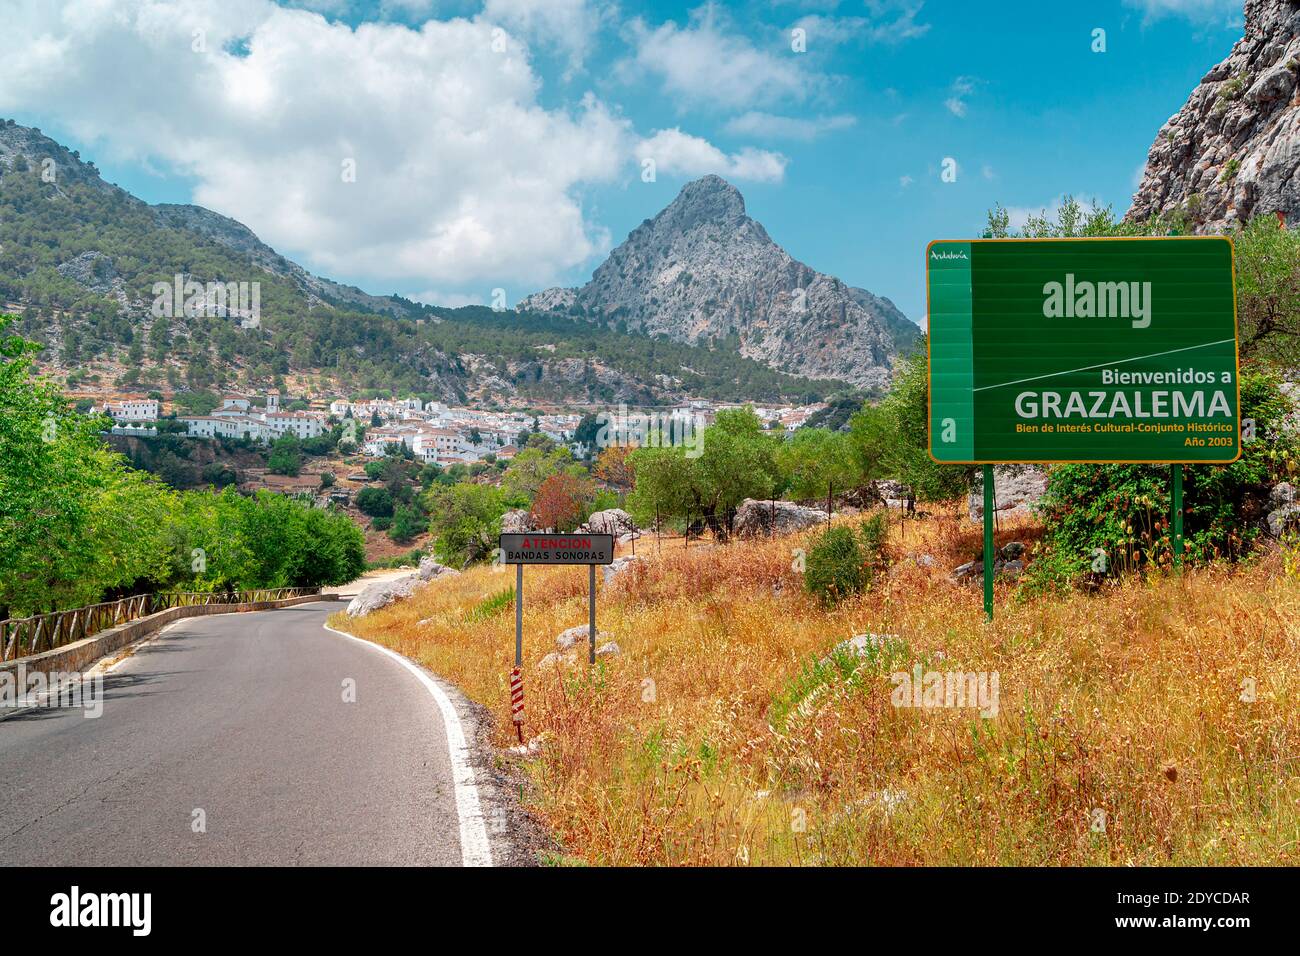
column 79, row 258
column 703, row 269
column 1232, row 151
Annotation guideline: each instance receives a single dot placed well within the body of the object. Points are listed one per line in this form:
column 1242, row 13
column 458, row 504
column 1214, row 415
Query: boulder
column 1007, row 562
column 895, row 494
column 1282, row 521
column 1281, row 495
column 613, row 521
column 516, row 522
column 1016, row 489
column 576, row 635
column 608, row 648
column 611, row 571
column 383, row 593
column 756, row 518
column 430, row 569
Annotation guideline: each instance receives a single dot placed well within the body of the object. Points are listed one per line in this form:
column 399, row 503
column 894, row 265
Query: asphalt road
column 241, row 716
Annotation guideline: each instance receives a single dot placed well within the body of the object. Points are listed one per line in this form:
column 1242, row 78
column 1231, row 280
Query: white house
column 226, row 426
column 236, row 418
column 133, row 410
column 302, row 424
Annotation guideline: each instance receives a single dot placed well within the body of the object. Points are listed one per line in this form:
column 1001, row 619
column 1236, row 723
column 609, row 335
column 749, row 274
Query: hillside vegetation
column 1151, row 723
column 80, row 258
column 81, row 526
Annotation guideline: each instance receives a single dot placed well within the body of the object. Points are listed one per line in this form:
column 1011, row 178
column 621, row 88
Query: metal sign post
column 988, row 542
column 591, row 613
column 519, row 615
column 1178, row 517
column 575, row 548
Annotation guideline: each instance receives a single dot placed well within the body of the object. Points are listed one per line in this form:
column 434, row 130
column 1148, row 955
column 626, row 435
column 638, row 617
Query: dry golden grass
column 712, row 740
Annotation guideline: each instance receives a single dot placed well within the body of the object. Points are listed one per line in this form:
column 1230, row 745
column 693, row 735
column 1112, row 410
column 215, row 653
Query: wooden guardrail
column 20, row 637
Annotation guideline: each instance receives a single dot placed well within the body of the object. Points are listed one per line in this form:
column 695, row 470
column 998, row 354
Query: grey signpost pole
column 519, row 615
column 591, row 612
column 988, row 542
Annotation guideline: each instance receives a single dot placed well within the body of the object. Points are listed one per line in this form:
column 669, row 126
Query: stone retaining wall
column 79, row 655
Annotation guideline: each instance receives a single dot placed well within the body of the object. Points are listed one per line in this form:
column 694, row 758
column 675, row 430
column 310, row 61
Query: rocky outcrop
column 1016, row 489
column 1233, row 151
column 755, row 518
column 573, row 639
column 613, row 521
column 1008, row 561
column 611, row 572
column 1283, row 511
column 383, row 593
column 516, row 522
column 703, row 270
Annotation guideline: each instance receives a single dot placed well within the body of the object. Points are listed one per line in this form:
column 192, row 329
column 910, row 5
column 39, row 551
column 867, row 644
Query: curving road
column 241, row 716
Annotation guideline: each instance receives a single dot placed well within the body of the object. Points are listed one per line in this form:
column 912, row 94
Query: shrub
column 407, row 523
column 376, row 502
column 1104, row 520
column 836, row 567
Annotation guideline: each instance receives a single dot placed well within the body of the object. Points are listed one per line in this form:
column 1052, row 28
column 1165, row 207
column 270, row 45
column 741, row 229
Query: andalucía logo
column 948, row 254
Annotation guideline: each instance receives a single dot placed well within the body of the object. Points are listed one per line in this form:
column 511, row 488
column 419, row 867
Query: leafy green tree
column 528, row 469
column 376, row 502
column 667, row 486
column 408, row 524
column 465, row 520
column 891, row 439
column 286, row 456
column 814, row 460
column 738, row 462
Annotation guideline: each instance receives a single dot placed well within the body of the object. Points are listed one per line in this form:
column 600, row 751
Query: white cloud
column 893, row 21
column 756, row 123
column 904, row 181
column 709, row 62
column 463, row 181
column 570, row 26
column 889, row 21
column 822, row 30
column 961, row 89
column 450, row 300
column 678, row 153
column 1201, row 11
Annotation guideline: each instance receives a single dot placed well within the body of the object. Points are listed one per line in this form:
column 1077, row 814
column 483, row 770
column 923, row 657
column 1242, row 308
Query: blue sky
column 518, row 164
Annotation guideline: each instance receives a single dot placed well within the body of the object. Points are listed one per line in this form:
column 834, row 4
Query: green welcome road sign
column 1083, row 350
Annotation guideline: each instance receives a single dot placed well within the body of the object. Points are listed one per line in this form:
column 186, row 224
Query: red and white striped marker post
column 517, row 702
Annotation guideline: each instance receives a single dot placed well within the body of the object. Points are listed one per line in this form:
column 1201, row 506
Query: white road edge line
column 475, row 848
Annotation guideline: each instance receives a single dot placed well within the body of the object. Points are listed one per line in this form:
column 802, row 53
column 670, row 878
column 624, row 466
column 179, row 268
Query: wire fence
column 763, row 520
column 22, row 637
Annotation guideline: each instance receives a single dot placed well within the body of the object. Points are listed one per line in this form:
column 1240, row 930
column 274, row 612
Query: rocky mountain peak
column 36, row 150
column 703, row 271
column 1233, row 151
column 710, row 199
